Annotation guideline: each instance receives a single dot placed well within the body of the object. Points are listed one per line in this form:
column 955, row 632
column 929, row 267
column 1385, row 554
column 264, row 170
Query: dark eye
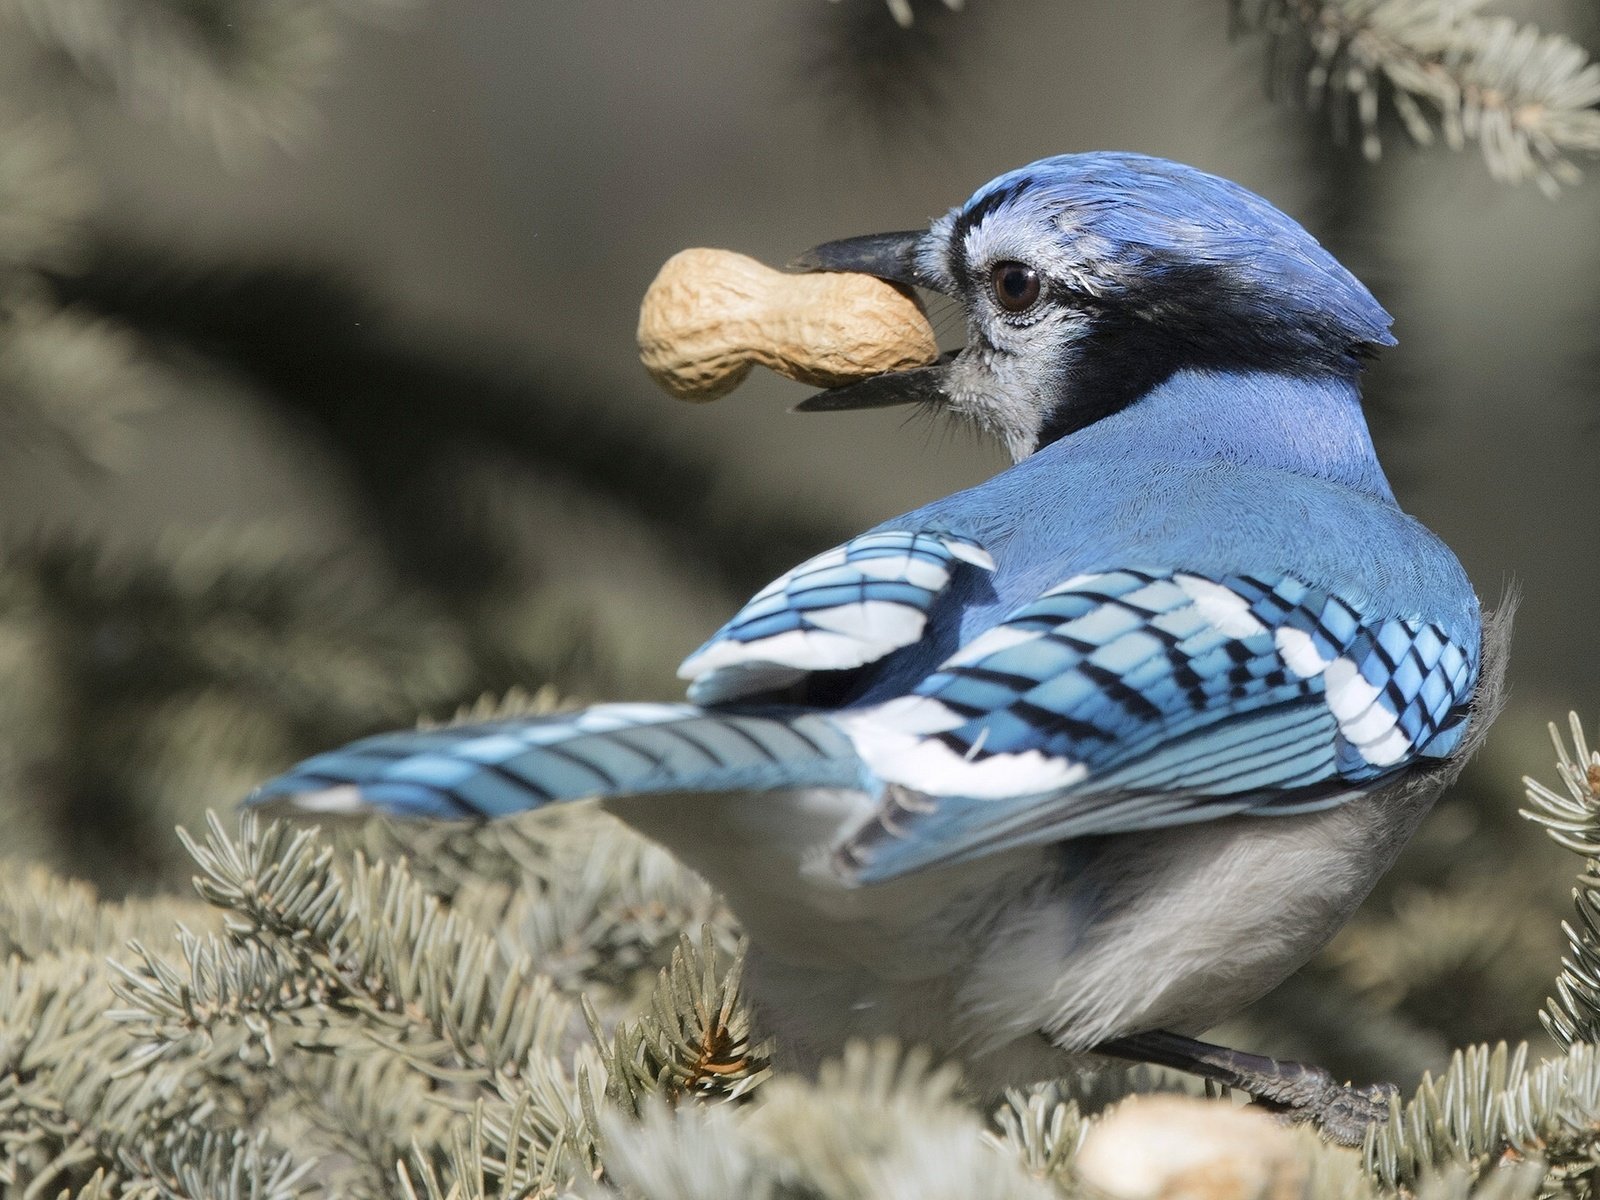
column 1016, row 285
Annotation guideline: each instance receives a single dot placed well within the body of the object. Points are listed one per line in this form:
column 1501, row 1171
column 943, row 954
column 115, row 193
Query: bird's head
column 1088, row 279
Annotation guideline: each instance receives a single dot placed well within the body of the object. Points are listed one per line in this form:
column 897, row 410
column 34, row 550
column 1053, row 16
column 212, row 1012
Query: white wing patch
column 1366, row 724
column 1228, row 611
column 843, row 609
column 992, row 641
column 1371, row 727
column 898, row 742
column 1299, row 652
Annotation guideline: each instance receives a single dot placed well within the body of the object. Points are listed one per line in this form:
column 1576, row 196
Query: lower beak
column 892, row 257
column 921, row 385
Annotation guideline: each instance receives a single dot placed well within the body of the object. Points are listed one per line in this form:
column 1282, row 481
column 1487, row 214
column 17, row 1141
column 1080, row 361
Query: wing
column 1137, row 699
column 845, row 608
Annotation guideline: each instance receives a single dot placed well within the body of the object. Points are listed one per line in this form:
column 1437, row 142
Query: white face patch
column 1010, row 378
column 1037, row 239
column 982, row 390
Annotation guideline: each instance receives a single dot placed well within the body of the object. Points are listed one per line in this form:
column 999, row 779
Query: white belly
column 1170, row 929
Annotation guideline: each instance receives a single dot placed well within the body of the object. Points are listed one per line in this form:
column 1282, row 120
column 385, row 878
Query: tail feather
column 503, row 767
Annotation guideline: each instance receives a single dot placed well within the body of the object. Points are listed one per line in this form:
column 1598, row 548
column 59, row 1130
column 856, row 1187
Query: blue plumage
column 844, row 608
column 1057, row 641
column 502, row 767
column 1192, row 604
column 1126, row 226
column 1218, row 696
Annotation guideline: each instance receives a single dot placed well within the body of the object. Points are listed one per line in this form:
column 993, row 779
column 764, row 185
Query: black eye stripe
column 1014, row 285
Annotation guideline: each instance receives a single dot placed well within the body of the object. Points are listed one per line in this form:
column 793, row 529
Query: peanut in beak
column 710, row 315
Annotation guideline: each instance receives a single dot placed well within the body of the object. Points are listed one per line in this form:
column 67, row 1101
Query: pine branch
column 402, row 418
column 1043, row 1131
column 374, row 944
column 695, row 1040
column 1526, row 97
column 137, row 689
column 1491, row 1109
column 486, row 1161
column 1573, row 821
column 235, row 72
column 344, row 1021
column 611, row 904
column 79, row 1103
column 45, row 195
column 210, row 1165
column 363, row 1112
column 1432, row 958
column 70, row 385
column 904, row 12
column 891, row 72
column 1458, row 1118
column 232, row 72
column 884, row 1122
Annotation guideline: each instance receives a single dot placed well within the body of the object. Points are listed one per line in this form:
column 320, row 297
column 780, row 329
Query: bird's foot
column 1341, row 1111
column 1298, row 1092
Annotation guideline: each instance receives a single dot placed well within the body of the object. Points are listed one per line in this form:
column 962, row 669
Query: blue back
column 1216, row 474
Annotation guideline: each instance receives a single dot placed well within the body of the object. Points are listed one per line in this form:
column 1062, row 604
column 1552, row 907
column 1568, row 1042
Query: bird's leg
column 1298, row 1091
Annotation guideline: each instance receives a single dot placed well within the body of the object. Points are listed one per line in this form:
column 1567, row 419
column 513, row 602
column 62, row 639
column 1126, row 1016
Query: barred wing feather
column 1140, row 698
column 501, row 767
column 842, row 609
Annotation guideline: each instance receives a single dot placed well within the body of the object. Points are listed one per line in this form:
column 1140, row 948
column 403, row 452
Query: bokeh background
column 323, row 410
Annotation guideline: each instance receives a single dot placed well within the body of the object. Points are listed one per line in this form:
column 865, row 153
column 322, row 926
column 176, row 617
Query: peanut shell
column 1184, row 1148
column 710, row 315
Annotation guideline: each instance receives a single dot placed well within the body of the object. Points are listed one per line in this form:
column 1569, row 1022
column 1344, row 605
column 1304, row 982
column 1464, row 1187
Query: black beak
column 890, row 256
column 922, row 385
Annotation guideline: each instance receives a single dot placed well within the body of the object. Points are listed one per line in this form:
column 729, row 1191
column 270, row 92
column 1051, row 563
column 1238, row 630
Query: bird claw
column 1342, row 1112
column 1298, row 1093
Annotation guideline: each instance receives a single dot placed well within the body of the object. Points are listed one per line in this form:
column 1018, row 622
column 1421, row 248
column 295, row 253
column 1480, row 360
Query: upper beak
column 890, row 256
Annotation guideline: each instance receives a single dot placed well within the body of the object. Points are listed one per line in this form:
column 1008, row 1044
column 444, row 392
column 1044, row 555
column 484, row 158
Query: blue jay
column 1084, row 759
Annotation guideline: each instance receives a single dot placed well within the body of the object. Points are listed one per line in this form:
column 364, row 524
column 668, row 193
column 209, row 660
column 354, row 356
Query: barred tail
column 503, row 767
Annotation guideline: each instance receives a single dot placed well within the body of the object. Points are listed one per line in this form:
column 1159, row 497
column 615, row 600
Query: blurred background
column 321, row 409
